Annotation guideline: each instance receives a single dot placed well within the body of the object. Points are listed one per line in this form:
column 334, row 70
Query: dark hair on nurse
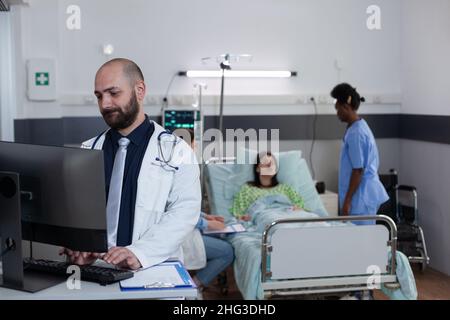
column 346, row 94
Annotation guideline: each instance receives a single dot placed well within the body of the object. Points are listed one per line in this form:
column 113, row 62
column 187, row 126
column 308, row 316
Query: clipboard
column 232, row 228
column 167, row 275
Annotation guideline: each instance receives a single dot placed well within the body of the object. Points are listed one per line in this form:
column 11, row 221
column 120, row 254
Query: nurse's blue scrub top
column 359, row 150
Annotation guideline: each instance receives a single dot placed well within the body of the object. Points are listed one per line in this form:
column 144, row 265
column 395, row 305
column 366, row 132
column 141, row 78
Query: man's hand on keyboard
column 122, row 257
column 80, row 258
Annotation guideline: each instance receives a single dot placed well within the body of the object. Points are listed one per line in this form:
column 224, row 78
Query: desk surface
column 94, row 291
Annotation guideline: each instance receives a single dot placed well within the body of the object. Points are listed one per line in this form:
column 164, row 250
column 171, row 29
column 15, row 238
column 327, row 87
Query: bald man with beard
column 158, row 205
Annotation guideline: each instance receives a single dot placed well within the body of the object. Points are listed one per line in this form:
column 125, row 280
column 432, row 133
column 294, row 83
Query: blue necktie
column 115, row 192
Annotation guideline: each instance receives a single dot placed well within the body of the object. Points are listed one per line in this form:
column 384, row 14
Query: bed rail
column 324, row 284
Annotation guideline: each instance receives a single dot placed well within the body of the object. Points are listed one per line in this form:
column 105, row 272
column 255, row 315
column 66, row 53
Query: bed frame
column 327, row 259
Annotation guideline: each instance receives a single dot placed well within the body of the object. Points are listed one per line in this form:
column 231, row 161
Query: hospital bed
column 326, row 260
column 288, row 259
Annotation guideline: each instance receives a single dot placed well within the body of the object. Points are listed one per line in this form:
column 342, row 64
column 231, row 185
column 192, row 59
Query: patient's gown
column 249, row 194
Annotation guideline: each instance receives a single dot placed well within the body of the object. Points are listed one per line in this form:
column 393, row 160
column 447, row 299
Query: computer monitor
column 178, row 119
column 62, row 194
column 55, row 194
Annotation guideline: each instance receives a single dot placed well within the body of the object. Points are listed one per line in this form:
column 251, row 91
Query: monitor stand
column 14, row 276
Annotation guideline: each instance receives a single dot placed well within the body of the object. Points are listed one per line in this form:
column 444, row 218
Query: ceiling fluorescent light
column 237, row 74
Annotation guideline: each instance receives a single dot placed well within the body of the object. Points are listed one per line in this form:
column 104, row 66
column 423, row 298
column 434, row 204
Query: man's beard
column 123, row 118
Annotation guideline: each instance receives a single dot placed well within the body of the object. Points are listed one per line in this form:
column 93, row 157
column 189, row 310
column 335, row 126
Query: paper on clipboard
column 232, row 228
column 166, row 275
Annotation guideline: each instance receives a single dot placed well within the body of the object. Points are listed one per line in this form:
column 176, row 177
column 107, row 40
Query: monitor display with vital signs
column 178, row 119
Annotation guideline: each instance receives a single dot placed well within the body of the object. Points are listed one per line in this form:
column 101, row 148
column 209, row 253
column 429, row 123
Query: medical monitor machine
column 178, row 119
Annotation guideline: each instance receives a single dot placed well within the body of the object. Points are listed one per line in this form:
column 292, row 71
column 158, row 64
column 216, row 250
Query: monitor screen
column 62, row 194
column 178, row 119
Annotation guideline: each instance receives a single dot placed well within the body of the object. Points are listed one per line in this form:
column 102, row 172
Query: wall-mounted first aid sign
column 41, row 79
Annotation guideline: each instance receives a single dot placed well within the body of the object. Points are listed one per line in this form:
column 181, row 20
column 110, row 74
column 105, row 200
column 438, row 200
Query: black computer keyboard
column 97, row 274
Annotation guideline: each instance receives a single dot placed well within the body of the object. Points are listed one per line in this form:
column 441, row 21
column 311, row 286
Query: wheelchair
column 402, row 208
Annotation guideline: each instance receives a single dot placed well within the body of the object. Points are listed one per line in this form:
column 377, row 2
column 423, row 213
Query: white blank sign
column 310, row 252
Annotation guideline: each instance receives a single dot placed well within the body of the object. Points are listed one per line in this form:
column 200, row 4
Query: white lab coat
column 167, row 205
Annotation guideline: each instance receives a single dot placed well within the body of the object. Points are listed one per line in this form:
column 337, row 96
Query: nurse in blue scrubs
column 360, row 189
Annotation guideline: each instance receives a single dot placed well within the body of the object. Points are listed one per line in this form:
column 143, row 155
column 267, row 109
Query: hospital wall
column 310, row 37
column 425, row 125
column 325, row 41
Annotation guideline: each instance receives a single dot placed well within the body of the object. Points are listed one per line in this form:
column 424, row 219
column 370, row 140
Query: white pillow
column 292, row 170
column 226, row 180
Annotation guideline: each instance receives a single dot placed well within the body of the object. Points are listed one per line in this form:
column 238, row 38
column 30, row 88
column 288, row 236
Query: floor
column 431, row 285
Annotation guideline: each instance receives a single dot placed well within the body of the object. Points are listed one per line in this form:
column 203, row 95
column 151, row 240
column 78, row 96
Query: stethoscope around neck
column 162, row 159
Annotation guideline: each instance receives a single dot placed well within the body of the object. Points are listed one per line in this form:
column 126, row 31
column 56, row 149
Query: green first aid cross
column 42, row 78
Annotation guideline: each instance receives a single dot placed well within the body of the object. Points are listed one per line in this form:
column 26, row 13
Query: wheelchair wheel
column 424, row 260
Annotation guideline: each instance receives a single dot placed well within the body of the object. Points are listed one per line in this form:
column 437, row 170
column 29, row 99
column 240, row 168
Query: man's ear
column 140, row 90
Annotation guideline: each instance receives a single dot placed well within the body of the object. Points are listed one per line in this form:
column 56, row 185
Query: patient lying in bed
column 264, row 201
column 265, row 184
